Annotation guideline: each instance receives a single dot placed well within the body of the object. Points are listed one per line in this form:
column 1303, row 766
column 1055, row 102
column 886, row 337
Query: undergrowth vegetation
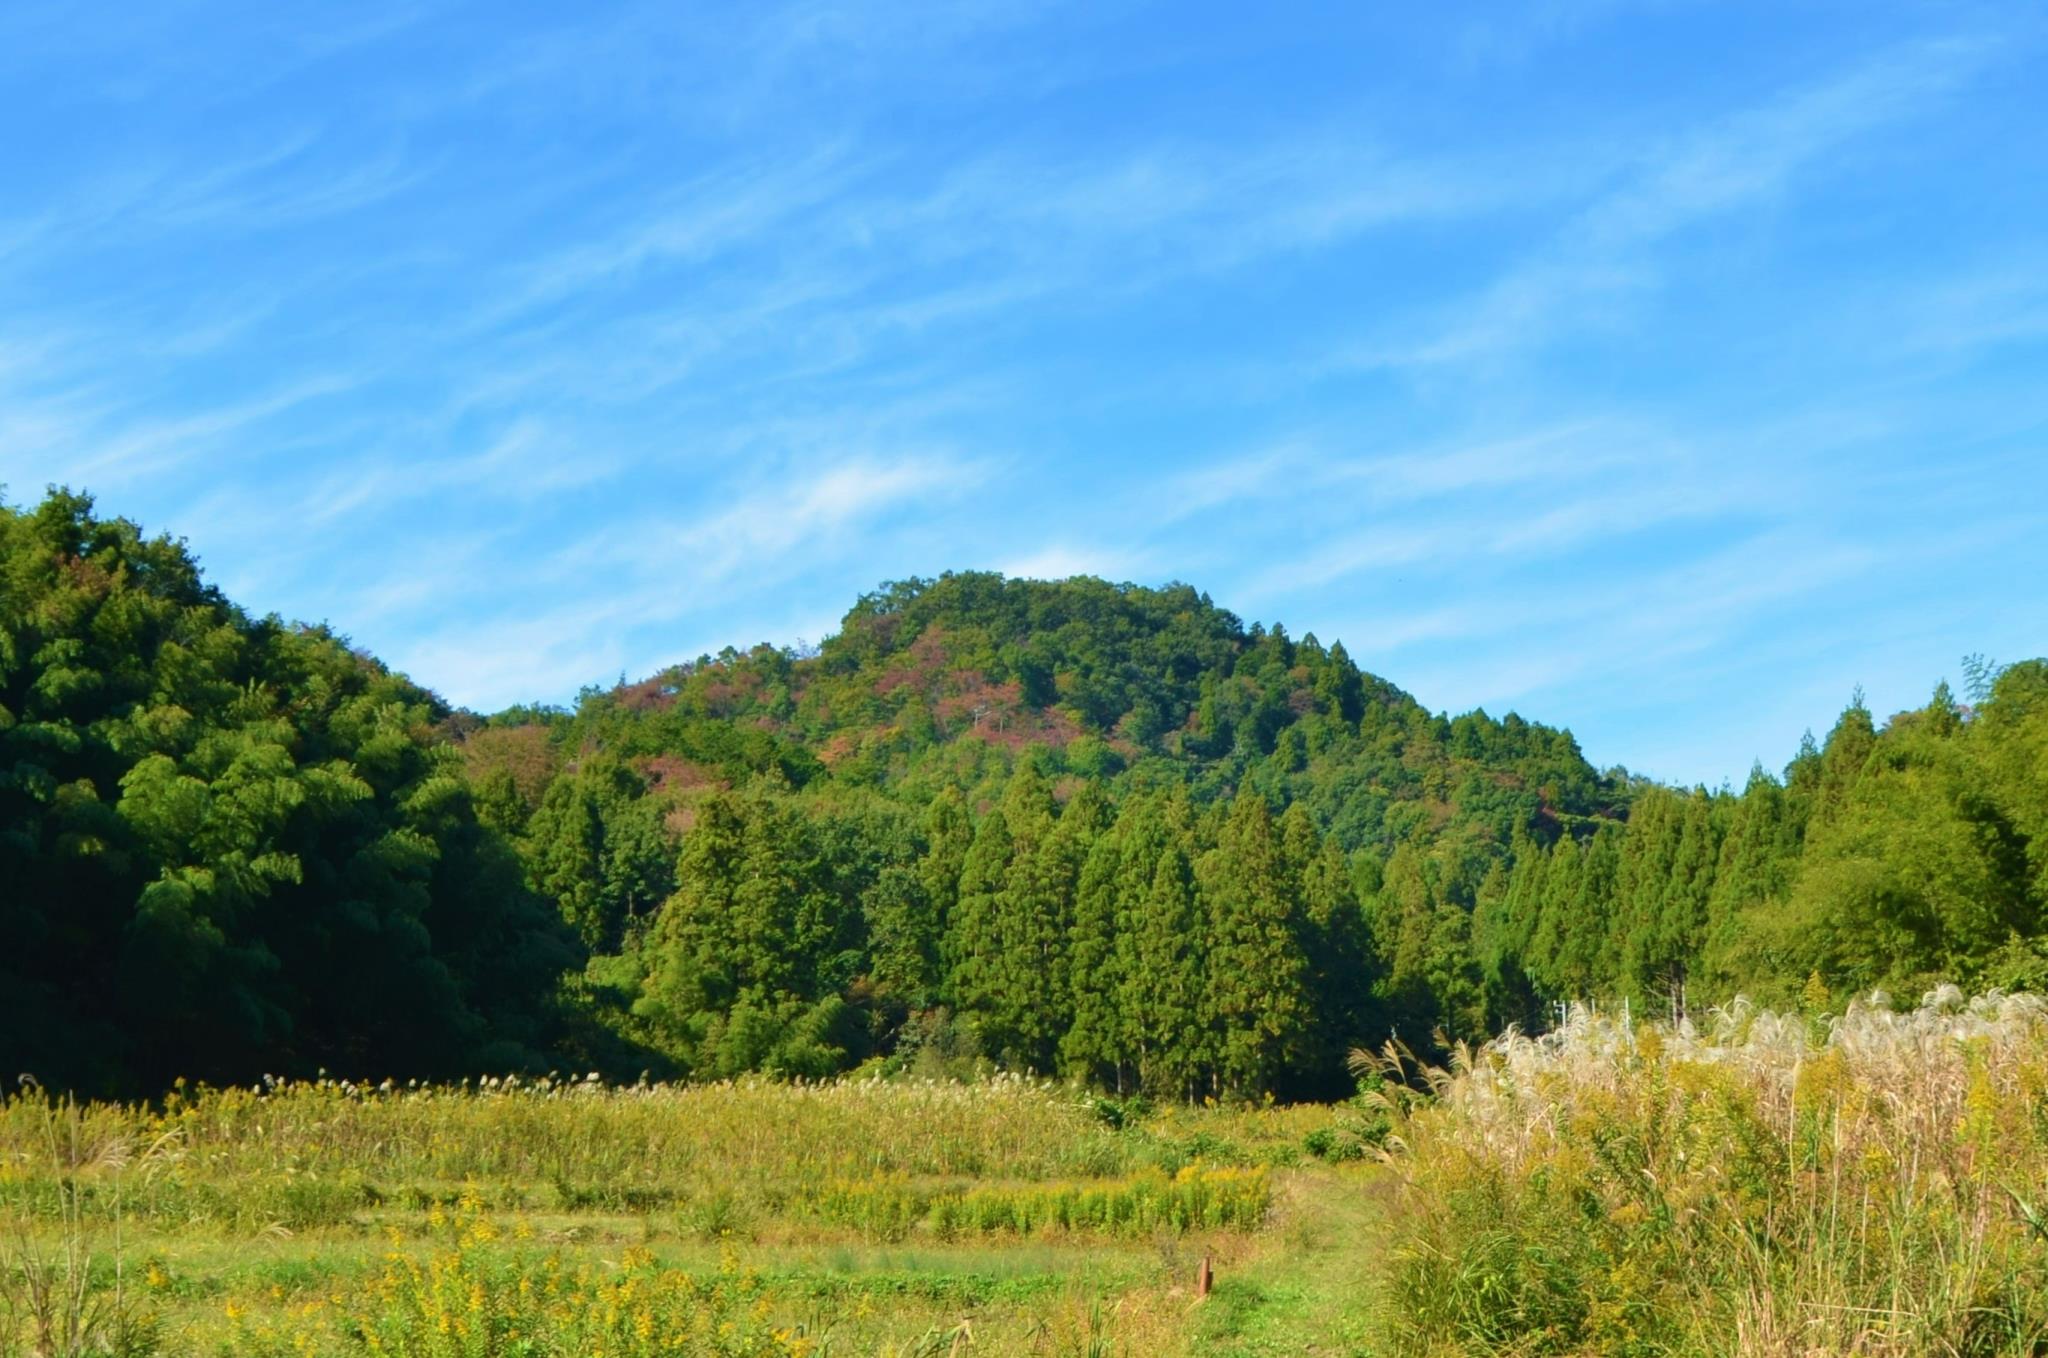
column 1139, row 1206
column 1003, row 1153
column 1770, row 1186
column 474, row 1296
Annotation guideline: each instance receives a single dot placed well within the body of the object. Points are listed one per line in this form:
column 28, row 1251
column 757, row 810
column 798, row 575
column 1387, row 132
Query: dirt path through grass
column 1304, row 1292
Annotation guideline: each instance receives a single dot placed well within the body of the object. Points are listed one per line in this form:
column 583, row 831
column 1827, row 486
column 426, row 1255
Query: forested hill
column 1088, row 829
column 957, row 682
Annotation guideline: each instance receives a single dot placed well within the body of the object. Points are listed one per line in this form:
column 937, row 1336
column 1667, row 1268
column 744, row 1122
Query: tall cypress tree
column 948, row 834
column 692, row 966
column 1645, row 855
column 1842, row 758
column 1558, row 921
column 1030, row 1004
column 1403, row 919
column 1755, row 859
column 1092, row 1047
column 1257, row 991
column 903, row 937
column 1334, row 943
column 1591, row 958
column 973, row 938
column 1497, row 948
column 1167, row 1039
column 1681, row 934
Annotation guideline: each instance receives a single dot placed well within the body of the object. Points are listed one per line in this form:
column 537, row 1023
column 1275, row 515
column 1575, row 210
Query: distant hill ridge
column 1099, row 680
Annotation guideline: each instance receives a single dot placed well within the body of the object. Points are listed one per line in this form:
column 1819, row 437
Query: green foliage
column 596, row 847
column 229, row 845
column 1890, row 857
column 1071, row 799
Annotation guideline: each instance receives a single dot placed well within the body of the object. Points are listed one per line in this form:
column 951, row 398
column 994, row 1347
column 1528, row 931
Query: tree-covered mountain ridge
column 956, row 681
column 1098, row 830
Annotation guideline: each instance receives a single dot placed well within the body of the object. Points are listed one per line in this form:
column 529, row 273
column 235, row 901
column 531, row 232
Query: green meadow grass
column 749, row 1218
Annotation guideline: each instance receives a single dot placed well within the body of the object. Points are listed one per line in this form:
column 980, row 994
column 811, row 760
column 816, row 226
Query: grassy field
column 1872, row 1184
column 853, row 1218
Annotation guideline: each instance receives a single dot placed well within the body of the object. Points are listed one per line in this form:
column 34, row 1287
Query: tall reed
column 54, row 1302
column 1769, row 1186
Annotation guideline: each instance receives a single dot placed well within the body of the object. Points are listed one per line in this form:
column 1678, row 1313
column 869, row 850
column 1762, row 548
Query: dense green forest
column 1072, row 827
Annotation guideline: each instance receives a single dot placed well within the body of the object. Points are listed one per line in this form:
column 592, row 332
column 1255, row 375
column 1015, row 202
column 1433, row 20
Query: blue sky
column 1663, row 370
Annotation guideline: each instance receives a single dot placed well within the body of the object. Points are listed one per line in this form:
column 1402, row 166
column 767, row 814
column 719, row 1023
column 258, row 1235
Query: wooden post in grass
column 1204, row 1277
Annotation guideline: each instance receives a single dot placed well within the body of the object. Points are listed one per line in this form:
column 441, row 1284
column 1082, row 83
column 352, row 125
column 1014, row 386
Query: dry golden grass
column 1769, row 1186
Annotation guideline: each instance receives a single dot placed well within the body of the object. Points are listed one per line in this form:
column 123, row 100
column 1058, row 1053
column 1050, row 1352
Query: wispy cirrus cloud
column 1315, row 464
column 810, row 506
column 572, row 343
column 664, row 578
column 1602, row 258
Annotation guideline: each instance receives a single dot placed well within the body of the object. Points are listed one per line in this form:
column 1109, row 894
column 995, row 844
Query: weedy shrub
column 479, row 1296
column 1196, row 1198
column 1768, row 1187
column 718, row 1215
column 319, row 1149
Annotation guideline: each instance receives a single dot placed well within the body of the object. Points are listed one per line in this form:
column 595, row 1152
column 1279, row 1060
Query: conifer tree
column 1148, row 825
column 1752, row 870
column 692, row 970
column 1559, row 920
column 1171, row 1045
column 1402, row 920
column 1257, row 983
column 1522, row 908
column 1802, row 786
column 596, row 846
column 1499, row 940
column 1333, row 942
column 1092, row 1047
column 1452, row 974
column 973, row 940
column 1842, row 759
column 1340, row 686
column 903, row 934
column 1591, row 959
column 948, row 833
column 1646, row 855
column 1029, row 1007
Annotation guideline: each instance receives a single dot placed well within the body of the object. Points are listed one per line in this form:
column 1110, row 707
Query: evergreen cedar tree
column 1076, row 828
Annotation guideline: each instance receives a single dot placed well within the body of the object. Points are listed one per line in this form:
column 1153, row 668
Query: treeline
column 1104, row 831
column 1893, row 858
column 1151, row 944
column 1153, row 941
